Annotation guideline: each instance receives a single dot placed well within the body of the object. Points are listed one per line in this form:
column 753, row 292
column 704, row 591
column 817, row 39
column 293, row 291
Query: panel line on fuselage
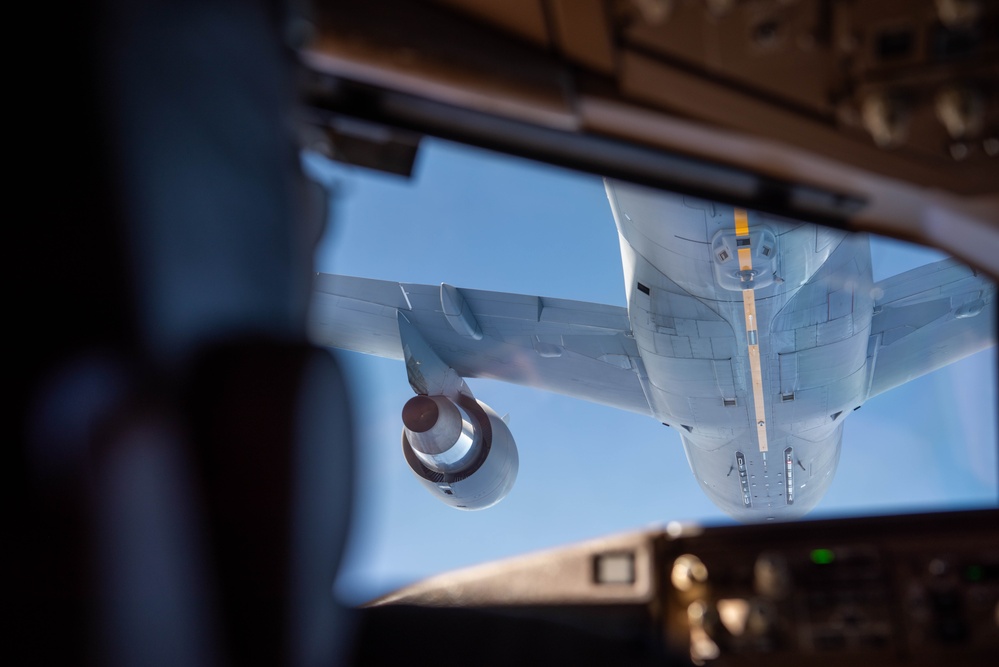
column 752, row 333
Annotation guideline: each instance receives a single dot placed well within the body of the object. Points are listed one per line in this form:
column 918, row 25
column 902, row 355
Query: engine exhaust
column 440, row 433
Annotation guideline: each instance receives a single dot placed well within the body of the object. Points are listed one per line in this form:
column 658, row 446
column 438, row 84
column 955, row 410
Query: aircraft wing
column 579, row 349
column 927, row 318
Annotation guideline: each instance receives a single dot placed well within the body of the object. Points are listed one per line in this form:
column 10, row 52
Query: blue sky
column 477, row 219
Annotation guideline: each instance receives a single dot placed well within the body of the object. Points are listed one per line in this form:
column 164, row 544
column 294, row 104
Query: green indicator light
column 822, row 556
column 974, row 573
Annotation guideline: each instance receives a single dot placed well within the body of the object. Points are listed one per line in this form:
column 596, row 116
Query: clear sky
column 476, row 219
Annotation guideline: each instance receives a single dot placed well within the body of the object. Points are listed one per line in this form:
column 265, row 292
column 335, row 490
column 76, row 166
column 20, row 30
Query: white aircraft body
column 754, row 337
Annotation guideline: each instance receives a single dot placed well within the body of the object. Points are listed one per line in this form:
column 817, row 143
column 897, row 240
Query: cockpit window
column 477, row 220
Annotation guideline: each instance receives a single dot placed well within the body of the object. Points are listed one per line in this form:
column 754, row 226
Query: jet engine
column 462, row 452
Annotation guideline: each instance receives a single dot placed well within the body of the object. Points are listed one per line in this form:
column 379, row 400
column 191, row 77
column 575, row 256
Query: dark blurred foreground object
column 182, row 480
column 896, row 590
column 418, row 636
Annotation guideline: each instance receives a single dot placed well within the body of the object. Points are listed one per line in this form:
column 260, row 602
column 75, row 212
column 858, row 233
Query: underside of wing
column 927, row 318
column 575, row 348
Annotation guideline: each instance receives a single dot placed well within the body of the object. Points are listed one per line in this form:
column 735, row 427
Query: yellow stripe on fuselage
column 741, row 222
column 752, row 330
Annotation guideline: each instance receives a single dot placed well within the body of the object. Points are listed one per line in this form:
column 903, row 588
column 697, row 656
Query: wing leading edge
column 927, row 318
column 579, row 349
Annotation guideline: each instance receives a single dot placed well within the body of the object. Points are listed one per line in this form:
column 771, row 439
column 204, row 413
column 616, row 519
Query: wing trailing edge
column 927, row 318
column 579, row 349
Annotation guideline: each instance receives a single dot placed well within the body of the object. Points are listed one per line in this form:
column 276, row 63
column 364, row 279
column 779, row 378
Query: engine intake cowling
column 463, row 453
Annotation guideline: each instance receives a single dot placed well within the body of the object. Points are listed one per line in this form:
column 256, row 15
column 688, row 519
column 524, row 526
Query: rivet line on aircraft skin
column 749, row 307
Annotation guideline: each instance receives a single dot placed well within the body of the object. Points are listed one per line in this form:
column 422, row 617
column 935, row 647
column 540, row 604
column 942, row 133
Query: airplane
column 754, row 337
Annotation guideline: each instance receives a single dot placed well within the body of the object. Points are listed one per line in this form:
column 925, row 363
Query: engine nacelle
column 463, row 453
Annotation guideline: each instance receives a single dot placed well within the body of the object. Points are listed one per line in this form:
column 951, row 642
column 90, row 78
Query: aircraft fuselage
column 753, row 333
